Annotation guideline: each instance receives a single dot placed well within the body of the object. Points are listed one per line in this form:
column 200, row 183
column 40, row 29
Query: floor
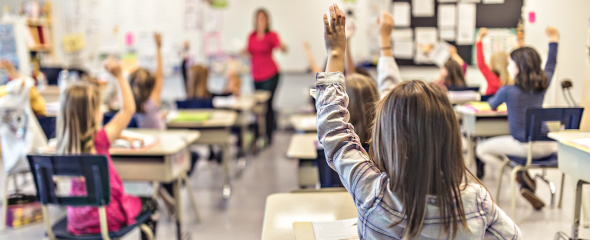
column 271, row 172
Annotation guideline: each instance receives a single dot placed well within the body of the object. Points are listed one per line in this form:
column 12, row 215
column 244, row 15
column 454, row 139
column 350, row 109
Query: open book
column 485, row 107
column 585, row 142
column 143, row 141
column 326, row 230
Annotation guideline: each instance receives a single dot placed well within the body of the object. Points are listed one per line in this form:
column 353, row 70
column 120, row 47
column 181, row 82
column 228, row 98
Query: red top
column 493, row 80
column 260, row 49
column 121, row 211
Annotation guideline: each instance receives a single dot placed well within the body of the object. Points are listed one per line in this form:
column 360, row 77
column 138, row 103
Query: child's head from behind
column 363, row 95
column 79, row 118
column 524, row 66
column 499, row 65
column 417, row 142
column 199, row 77
column 452, row 74
column 142, row 84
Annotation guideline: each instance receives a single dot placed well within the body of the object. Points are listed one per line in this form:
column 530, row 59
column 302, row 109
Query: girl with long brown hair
column 414, row 183
column 496, row 74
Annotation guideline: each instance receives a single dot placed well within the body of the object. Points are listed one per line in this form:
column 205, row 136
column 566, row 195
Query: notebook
column 326, row 230
column 191, row 117
column 122, row 144
column 485, row 107
column 584, row 142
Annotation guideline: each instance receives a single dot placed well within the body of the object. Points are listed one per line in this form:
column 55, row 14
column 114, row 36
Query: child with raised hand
column 452, row 73
column 530, row 84
column 79, row 131
column 388, row 74
column 497, row 75
column 414, row 183
column 147, row 90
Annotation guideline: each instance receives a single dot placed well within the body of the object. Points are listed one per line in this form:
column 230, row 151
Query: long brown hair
column 417, row 142
column 530, row 77
column 265, row 12
column 455, row 77
column 142, row 84
column 498, row 65
column 76, row 121
column 363, row 94
column 197, row 82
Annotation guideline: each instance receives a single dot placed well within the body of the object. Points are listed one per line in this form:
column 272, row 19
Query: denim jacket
column 378, row 207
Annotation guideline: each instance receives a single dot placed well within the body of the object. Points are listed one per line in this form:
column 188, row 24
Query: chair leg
column 513, row 187
column 559, row 204
column 585, row 213
column 148, row 232
column 47, row 222
column 191, row 195
column 4, row 205
column 500, row 180
column 551, row 186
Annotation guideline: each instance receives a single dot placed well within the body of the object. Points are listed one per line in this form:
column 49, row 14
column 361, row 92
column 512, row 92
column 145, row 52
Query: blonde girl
column 496, row 74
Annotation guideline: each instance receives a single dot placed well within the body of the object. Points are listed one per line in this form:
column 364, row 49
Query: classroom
column 303, row 120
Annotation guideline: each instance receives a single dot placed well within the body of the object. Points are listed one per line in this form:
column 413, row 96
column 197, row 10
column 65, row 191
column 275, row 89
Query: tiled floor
column 269, row 172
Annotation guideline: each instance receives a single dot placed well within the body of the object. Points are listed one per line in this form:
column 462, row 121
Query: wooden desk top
column 282, row 209
column 470, row 112
column 564, row 137
column 304, row 122
column 302, row 146
column 169, row 142
column 219, row 119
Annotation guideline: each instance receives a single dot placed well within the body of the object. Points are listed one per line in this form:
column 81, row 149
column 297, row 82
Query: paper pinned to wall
column 425, row 39
column 447, row 34
column 401, row 14
column 402, row 34
column 403, row 49
column 447, row 15
column 469, row 1
column 466, row 23
column 447, row 1
column 493, row 1
column 423, row 8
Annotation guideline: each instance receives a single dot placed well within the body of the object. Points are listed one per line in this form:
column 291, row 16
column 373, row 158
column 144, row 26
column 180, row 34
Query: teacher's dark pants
column 271, row 86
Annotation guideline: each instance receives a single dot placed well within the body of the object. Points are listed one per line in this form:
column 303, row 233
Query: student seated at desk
column 496, row 74
column 79, row 132
column 452, row 73
column 530, row 84
column 415, row 171
column 147, row 90
column 36, row 100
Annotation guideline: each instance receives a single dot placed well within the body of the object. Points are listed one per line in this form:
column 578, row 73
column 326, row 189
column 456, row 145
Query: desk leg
column 244, row 148
column 577, row 209
column 226, row 178
column 191, row 195
column 178, row 208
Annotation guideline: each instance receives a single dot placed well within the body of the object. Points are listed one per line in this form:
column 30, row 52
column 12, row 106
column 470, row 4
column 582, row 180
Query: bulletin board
column 504, row 15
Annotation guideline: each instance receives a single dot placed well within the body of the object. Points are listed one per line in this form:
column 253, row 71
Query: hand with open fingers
column 334, row 31
column 158, row 39
column 386, row 24
column 483, row 32
column 552, row 33
column 113, row 66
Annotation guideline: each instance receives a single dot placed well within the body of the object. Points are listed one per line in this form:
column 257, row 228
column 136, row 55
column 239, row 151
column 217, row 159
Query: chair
column 195, row 103
column 464, row 88
column 48, row 124
column 535, row 120
column 109, row 115
column 94, row 169
column 328, row 177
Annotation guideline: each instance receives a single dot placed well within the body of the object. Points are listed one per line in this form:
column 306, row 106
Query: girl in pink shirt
column 261, row 43
column 78, row 132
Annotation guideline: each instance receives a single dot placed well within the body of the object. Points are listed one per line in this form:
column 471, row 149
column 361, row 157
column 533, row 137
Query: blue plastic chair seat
column 60, row 229
column 550, row 161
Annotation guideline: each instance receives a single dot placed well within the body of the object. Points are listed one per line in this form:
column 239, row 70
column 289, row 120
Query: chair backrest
column 536, row 117
column 463, row 88
column 109, row 115
column 48, row 124
column 94, row 168
column 195, row 103
column 328, row 177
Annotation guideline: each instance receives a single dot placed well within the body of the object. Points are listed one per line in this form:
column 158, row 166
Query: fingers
column 326, row 25
column 341, row 16
column 333, row 19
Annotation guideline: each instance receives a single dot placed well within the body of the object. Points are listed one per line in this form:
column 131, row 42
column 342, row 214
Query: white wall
column 572, row 18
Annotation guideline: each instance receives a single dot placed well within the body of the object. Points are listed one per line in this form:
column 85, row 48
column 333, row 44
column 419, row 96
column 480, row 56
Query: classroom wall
column 586, row 97
column 571, row 17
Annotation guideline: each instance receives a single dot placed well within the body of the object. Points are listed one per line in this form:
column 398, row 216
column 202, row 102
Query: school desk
column 574, row 160
column 214, row 131
column 283, row 209
column 481, row 124
column 261, row 97
column 304, row 122
column 302, row 147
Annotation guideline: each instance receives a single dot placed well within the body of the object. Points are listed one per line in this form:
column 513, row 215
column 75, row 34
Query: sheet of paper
column 440, row 53
column 584, row 142
column 470, row 1
column 336, row 230
column 401, row 14
column 423, row 8
column 447, row 34
column 425, row 39
column 402, row 34
column 447, row 15
column 403, row 49
column 447, row 1
column 493, row 1
column 466, row 23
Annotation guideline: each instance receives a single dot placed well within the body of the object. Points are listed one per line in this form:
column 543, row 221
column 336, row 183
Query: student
column 530, row 84
column 498, row 75
column 415, row 170
column 198, row 86
column 147, row 90
column 388, row 74
column 452, row 73
column 36, row 100
column 79, row 131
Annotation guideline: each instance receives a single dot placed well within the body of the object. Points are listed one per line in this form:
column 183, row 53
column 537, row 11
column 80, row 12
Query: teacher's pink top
column 260, row 49
column 121, row 211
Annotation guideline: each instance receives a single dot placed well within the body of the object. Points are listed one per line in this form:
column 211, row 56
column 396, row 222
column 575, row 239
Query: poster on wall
column 465, row 23
column 8, row 48
column 426, row 38
column 497, row 40
column 423, row 8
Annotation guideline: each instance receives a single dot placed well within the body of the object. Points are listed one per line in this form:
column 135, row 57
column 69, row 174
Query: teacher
column 261, row 43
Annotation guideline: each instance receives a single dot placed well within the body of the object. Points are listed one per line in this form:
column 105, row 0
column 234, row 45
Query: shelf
column 38, row 23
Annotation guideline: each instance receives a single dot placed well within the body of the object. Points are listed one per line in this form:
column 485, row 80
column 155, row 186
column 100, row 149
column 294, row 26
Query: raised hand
column 552, row 33
column 113, row 66
column 335, row 39
column 350, row 30
column 386, row 24
column 482, row 33
column 158, row 39
column 8, row 68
